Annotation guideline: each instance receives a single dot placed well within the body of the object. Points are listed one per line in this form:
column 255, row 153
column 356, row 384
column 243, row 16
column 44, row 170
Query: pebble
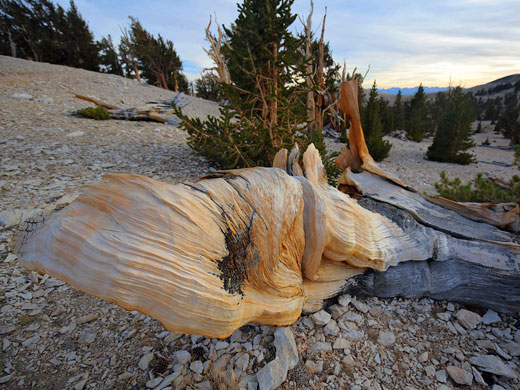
column 321, row 347
column 87, row 338
column 344, row 300
column 196, row 367
column 468, row 319
column 386, row 338
column 321, row 318
column 460, row 376
column 491, row 317
column 362, row 307
column 341, row 343
column 441, row 376
column 494, row 365
column 315, row 367
column 145, row 360
column 182, row 357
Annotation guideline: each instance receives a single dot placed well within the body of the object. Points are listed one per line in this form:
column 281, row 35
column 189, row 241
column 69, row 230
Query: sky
column 405, row 43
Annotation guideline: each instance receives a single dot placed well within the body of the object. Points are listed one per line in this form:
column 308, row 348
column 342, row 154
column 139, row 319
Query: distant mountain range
column 411, row 91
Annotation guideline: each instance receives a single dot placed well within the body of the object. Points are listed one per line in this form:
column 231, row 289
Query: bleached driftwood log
column 265, row 244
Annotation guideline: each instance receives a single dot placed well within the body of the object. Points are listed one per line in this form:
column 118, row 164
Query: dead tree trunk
column 215, row 53
column 308, row 69
column 277, row 242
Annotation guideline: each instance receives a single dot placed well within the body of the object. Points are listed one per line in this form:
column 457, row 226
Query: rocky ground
column 53, row 336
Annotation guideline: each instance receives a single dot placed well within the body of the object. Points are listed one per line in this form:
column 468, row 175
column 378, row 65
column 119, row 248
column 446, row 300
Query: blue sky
column 404, row 42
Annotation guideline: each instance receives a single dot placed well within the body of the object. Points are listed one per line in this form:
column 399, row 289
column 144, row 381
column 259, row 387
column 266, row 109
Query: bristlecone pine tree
column 418, row 123
column 372, row 124
column 264, row 111
column 399, row 114
column 157, row 59
column 42, row 31
column 453, row 136
column 109, row 58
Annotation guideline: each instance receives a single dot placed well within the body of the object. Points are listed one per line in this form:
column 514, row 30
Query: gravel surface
column 54, row 337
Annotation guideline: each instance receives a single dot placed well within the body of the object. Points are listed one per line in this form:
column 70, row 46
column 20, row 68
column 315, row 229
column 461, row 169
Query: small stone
column 166, row 381
column 252, row 386
column 355, row 335
column 494, row 365
column 386, row 338
column 22, row 95
column 478, row 377
column 81, row 384
column 503, row 354
column 490, row 317
column 331, row 328
column 86, row 318
column 31, row 340
column 450, row 307
column 341, row 343
column 10, row 257
column 221, row 345
column 236, row 336
column 321, row 347
column 197, row 367
column 125, row 376
column 153, row 383
column 321, row 318
column 5, row 378
column 337, row 311
column 468, row 319
column 348, row 361
column 145, row 361
column 460, row 376
column 423, row 357
column 512, row 348
column 69, row 328
column 77, row 133
column 315, row 367
column 5, row 330
column 362, row 307
column 87, row 338
column 430, row 370
column 444, row 316
column 517, row 336
column 441, row 376
column 272, row 375
column 345, row 300
column 443, row 387
column 182, row 357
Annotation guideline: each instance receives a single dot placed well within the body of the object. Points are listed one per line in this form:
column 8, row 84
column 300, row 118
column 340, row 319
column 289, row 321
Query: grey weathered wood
column 479, row 273
column 427, row 213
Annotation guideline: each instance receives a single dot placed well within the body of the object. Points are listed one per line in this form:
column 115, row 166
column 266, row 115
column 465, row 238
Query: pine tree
column 453, row 136
column 373, row 127
column 399, row 114
column 78, row 41
column 415, row 124
column 41, row 31
column 264, row 111
column 387, row 115
column 109, row 58
column 508, row 122
column 207, row 87
column 155, row 58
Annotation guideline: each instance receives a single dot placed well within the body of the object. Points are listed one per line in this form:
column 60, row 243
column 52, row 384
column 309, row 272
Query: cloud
column 405, row 42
